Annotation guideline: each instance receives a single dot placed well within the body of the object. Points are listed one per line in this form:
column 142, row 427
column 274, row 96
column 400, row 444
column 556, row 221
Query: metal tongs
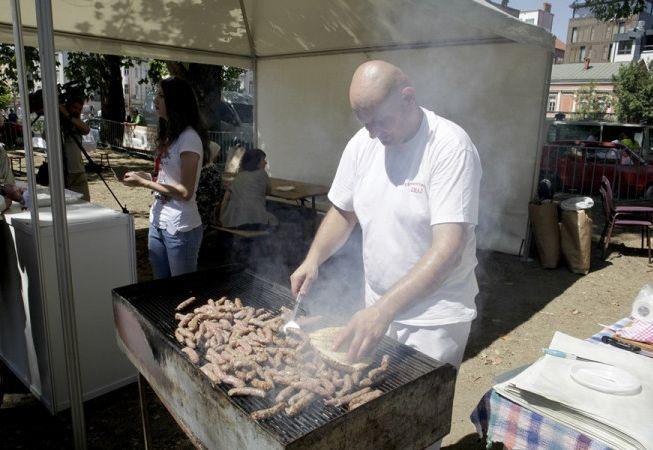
column 291, row 323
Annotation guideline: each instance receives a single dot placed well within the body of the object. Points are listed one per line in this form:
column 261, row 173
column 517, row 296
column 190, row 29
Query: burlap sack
column 576, row 240
column 546, row 232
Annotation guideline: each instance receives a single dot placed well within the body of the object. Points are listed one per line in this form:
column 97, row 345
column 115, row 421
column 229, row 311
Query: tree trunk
column 206, row 81
column 113, row 100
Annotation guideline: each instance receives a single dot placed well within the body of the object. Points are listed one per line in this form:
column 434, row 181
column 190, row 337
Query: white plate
column 285, row 188
column 605, row 378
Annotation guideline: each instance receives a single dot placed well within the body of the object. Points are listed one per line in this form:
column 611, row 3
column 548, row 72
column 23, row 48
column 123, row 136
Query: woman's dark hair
column 251, row 159
column 182, row 111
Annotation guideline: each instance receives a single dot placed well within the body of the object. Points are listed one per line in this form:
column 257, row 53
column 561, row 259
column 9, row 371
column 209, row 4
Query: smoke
column 491, row 89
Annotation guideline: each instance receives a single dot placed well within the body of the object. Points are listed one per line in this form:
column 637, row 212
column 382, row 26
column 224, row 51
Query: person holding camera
column 176, row 229
column 73, row 128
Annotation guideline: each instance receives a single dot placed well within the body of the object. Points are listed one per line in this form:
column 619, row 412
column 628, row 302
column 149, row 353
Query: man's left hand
column 363, row 332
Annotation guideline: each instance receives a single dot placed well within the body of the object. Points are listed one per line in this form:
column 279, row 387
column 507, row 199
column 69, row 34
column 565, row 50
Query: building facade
column 568, row 79
column 539, row 17
column 559, row 56
column 136, row 94
column 589, row 37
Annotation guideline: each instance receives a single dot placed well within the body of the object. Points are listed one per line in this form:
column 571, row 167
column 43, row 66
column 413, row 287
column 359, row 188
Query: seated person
column 243, row 204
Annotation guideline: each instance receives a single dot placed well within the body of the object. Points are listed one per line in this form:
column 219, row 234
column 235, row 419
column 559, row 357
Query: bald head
column 373, row 82
column 383, row 99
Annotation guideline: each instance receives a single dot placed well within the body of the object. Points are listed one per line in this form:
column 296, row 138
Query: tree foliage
column 5, row 100
column 100, row 73
column 607, row 10
column 9, row 72
column 208, row 82
column 634, row 92
column 590, row 104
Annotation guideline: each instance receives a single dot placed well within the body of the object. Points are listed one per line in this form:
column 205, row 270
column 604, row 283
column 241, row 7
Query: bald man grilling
column 411, row 179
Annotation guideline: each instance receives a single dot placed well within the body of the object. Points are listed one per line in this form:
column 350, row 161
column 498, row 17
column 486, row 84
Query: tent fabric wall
column 493, row 91
column 471, row 63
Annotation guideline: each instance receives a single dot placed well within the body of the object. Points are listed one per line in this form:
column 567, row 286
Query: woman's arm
column 180, row 191
column 268, row 185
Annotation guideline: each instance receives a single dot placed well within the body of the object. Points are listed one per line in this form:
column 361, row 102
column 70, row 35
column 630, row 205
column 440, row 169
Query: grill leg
column 145, row 419
column 648, row 243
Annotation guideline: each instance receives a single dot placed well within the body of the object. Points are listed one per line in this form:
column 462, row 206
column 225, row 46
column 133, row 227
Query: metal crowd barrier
column 141, row 140
column 579, row 168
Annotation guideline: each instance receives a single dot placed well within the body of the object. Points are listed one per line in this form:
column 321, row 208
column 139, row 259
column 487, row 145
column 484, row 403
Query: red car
column 577, row 167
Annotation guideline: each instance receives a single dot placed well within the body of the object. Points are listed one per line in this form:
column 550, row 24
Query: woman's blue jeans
column 173, row 254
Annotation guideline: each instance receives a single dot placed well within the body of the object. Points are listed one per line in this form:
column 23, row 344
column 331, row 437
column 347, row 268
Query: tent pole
column 21, row 68
column 252, row 53
column 59, row 218
column 255, row 119
column 541, row 138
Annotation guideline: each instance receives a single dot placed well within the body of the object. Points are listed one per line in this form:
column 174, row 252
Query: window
column 648, row 44
column 552, row 104
column 574, row 35
column 625, row 47
column 608, row 32
column 531, row 21
column 592, row 33
column 582, row 12
column 581, row 54
column 622, row 28
column 126, row 89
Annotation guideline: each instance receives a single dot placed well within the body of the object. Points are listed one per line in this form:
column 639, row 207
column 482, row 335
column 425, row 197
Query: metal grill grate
column 156, row 302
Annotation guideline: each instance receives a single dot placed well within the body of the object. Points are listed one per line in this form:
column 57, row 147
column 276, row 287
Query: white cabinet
column 103, row 257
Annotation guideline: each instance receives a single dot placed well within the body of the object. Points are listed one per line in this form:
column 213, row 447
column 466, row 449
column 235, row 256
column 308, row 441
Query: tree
column 103, row 74
column 208, row 82
column 9, row 72
column 634, row 92
column 590, row 104
column 608, row 10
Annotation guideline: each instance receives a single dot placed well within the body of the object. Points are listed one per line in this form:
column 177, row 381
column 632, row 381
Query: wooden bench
column 242, row 242
column 104, row 156
column 16, row 157
column 246, row 234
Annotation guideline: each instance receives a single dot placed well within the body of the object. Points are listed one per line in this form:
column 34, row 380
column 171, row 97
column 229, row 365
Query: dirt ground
column 520, row 306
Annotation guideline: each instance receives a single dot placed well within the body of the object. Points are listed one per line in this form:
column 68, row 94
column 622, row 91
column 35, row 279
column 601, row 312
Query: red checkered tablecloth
column 503, row 421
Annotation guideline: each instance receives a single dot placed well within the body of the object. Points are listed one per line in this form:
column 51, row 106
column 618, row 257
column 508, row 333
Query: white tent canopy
column 469, row 61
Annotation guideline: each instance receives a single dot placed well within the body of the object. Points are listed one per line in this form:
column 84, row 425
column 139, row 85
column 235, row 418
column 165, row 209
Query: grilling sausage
column 185, row 303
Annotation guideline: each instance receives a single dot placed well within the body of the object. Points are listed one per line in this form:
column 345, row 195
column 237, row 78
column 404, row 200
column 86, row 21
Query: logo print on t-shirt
column 414, row 187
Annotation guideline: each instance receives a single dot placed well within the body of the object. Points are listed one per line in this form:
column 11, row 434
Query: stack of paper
column 620, row 421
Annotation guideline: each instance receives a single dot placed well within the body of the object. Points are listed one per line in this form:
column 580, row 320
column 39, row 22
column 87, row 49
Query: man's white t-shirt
column 172, row 214
column 398, row 193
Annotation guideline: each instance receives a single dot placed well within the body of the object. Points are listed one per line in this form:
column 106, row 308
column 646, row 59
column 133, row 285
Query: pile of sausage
column 244, row 347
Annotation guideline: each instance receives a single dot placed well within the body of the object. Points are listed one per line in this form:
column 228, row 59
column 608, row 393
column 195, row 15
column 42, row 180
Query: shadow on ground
column 512, row 291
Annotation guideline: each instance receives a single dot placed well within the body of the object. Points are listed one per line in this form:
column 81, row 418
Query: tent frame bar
column 389, row 47
column 59, row 218
column 541, row 137
column 21, row 71
column 252, row 52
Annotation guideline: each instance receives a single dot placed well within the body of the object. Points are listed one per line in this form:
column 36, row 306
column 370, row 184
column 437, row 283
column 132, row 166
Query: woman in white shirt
column 182, row 146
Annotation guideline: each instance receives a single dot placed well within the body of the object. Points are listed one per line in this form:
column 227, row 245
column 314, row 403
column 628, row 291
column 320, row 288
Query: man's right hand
column 303, row 277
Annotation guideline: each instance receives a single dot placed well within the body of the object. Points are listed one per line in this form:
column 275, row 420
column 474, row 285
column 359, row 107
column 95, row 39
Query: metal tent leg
column 145, row 418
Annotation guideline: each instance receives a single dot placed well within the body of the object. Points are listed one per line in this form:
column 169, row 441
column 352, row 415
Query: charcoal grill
column 413, row 412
